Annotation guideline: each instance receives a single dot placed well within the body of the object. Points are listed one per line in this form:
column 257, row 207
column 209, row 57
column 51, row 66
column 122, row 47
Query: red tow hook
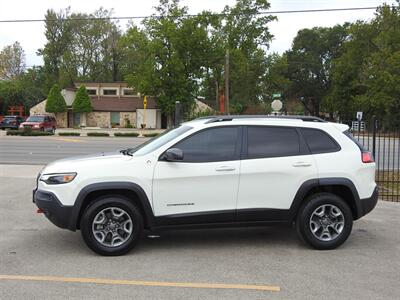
column 39, row 211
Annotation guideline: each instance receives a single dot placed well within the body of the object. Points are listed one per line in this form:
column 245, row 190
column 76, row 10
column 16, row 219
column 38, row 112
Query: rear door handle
column 300, row 164
column 225, row 169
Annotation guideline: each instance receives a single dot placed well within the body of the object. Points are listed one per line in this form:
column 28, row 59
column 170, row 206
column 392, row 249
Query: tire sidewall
column 95, row 208
column 303, row 221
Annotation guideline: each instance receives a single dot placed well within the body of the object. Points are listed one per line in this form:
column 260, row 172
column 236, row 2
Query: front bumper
column 6, row 126
column 57, row 213
column 369, row 204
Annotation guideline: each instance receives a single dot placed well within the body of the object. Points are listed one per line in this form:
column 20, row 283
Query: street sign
column 359, row 115
column 276, row 96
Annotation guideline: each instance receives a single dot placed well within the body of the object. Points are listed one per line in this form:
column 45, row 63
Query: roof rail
column 213, row 119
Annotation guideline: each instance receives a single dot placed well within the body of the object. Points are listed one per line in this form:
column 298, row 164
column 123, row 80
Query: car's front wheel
column 325, row 221
column 112, row 225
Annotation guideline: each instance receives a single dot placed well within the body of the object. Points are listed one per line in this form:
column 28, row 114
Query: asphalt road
column 42, row 150
column 367, row 266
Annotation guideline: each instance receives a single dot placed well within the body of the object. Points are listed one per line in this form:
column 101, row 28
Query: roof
column 120, row 104
column 102, row 84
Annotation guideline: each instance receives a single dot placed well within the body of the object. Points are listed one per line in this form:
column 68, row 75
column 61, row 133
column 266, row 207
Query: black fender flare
column 306, row 187
column 104, row 186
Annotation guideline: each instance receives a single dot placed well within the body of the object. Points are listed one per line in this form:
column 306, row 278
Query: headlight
column 58, row 178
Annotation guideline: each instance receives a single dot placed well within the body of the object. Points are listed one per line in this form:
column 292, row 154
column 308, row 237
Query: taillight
column 367, row 157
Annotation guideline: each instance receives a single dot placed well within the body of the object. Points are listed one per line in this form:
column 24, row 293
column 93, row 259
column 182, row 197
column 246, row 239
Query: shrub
column 82, row 102
column 69, row 134
column 98, row 134
column 28, row 133
column 55, row 101
column 150, row 134
column 126, row 134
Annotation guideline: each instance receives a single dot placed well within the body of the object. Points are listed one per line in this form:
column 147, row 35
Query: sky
column 31, row 35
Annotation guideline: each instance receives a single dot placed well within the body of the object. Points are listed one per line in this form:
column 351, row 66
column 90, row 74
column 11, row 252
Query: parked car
column 214, row 172
column 11, row 122
column 40, row 122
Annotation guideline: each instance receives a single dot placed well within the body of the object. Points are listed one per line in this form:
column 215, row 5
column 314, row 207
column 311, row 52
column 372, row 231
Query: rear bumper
column 368, row 204
column 57, row 213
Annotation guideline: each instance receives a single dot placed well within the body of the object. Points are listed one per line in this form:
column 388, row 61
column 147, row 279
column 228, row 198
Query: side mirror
column 173, row 154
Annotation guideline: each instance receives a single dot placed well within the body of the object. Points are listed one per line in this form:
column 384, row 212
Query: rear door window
column 264, row 142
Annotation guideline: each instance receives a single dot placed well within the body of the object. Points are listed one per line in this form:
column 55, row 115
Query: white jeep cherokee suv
column 213, row 172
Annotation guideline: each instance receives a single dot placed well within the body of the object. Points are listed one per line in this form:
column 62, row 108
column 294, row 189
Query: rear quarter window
column 319, row 141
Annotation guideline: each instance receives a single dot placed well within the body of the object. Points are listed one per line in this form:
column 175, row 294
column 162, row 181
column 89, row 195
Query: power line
column 194, row 15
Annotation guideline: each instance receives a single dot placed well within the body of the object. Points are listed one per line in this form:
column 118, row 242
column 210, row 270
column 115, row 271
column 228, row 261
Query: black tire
column 97, row 206
column 303, row 225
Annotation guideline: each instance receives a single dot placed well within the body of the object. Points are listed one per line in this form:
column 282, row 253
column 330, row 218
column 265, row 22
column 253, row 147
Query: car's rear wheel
column 325, row 221
column 112, row 225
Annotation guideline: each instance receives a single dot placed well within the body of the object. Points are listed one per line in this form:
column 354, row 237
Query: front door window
column 115, row 119
column 77, row 119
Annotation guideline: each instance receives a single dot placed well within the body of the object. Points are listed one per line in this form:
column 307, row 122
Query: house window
column 109, row 92
column 128, row 92
column 91, row 91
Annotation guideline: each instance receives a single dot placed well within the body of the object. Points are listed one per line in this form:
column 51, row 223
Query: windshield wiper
column 126, row 152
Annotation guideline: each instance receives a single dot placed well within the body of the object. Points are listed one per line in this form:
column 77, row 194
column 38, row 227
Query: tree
column 12, row 62
column 366, row 76
column 82, row 102
column 171, row 48
column 55, row 101
column 80, row 47
column 247, row 35
column 59, row 37
column 27, row 90
column 310, row 62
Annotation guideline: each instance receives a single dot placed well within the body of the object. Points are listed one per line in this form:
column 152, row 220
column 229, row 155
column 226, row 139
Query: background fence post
column 374, row 127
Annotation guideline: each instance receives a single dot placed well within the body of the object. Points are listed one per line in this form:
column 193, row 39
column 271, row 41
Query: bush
column 150, row 134
column 82, row 102
column 98, row 134
column 28, row 133
column 126, row 134
column 69, row 134
column 55, row 101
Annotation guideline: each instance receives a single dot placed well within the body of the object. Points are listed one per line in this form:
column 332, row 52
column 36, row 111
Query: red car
column 40, row 122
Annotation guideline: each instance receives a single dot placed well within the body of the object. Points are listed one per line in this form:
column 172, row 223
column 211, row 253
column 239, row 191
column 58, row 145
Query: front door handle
column 300, row 164
column 225, row 169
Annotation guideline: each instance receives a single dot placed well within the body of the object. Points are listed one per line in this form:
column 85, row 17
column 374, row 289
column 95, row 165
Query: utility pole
column 216, row 95
column 227, row 82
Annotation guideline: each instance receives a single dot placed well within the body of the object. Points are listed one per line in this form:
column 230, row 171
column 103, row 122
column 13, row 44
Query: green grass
column 389, row 185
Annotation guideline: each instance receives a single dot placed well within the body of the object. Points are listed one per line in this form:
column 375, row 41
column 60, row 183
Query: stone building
column 114, row 105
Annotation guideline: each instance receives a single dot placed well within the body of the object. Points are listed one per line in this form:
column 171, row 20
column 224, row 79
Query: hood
column 74, row 164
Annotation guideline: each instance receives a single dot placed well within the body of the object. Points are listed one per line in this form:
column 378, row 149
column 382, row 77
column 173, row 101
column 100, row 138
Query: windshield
column 159, row 141
column 35, row 119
